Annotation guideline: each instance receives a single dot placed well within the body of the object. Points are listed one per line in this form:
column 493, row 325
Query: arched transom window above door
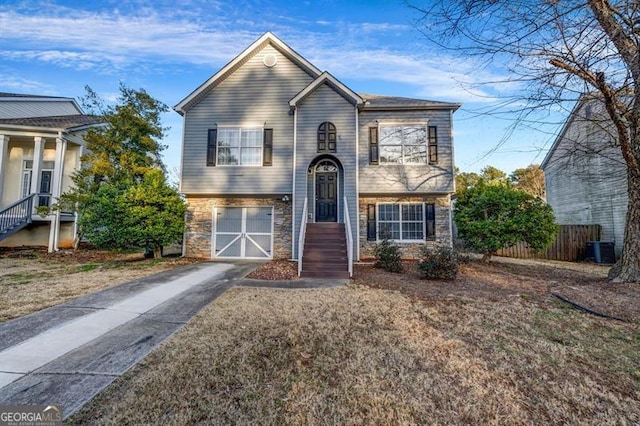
column 326, row 166
column 327, row 137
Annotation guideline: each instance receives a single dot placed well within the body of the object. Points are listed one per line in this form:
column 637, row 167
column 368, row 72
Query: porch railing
column 347, row 224
column 16, row 216
column 301, row 235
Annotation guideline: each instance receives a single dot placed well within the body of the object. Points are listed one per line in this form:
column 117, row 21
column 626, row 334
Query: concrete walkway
column 66, row 354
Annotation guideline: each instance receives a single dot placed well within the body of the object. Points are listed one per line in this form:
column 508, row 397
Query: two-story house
column 282, row 160
column 40, row 148
column 585, row 173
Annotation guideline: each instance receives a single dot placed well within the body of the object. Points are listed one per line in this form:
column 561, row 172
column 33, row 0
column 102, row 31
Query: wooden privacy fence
column 570, row 244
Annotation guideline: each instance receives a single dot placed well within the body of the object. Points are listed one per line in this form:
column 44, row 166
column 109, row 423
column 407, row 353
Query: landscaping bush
column 463, row 251
column 439, row 263
column 388, row 255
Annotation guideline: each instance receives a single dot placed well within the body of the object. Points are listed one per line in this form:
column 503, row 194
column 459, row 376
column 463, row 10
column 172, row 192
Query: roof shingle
column 383, row 101
column 64, row 122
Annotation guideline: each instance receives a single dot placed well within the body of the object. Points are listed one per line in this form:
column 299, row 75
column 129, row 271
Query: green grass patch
column 22, row 278
column 88, row 267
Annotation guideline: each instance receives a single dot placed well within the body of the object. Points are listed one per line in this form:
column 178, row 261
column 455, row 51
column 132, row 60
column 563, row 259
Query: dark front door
column 327, row 197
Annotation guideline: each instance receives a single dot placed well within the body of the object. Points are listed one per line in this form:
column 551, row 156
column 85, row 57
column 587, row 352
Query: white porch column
column 58, row 168
column 38, row 152
column 56, row 190
column 4, row 154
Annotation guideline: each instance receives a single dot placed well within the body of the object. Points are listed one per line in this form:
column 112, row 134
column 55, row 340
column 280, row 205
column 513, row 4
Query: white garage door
column 243, row 232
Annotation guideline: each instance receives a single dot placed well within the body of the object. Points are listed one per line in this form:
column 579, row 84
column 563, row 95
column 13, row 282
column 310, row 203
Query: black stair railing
column 16, row 216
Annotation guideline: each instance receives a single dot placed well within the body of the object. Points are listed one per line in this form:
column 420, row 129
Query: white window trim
column 424, row 125
column 338, row 200
column 29, row 170
column 242, row 127
column 401, row 241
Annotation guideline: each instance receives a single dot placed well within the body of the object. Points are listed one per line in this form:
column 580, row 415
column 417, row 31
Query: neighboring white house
column 282, row 160
column 585, row 173
column 40, row 147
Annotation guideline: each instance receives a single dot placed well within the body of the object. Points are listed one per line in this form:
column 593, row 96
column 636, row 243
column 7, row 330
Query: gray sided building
column 273, row 145
column 585, row 173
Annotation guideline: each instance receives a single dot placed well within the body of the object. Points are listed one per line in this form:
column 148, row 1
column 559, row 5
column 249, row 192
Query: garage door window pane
column 229, row 220
column 234, row 250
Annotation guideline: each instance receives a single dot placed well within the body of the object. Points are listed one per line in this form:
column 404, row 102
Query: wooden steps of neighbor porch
column 325, row 251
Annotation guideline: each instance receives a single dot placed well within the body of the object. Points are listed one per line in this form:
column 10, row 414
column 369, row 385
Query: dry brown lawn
column 362, row 355
column 31, row 280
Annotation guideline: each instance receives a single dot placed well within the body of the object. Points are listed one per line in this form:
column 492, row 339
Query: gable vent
column 269, row 60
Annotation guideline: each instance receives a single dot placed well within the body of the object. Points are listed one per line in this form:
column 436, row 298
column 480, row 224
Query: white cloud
column 22, row 85
column 108, row 41
column 379, row 27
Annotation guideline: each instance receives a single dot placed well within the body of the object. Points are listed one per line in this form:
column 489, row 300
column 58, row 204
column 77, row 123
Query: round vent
column 269, row 60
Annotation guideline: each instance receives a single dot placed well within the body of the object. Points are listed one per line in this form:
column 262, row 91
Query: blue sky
column 169, row 48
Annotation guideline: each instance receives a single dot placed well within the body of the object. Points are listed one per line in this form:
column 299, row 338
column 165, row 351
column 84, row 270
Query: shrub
column 463, row 251
column 439, row 263
column 491, row 217
column 388, row 255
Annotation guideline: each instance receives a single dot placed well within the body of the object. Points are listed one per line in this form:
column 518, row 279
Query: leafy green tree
column 493, row 175
column 121, row 193
column 465, row 181
column 126, row 147
column 491, row 217
column 489, row 175
column 530, row 180
column 149, row 214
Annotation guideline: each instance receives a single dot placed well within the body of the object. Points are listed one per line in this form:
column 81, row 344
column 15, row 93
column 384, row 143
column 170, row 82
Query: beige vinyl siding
column 586, row 180
column 409, row 179
column 324, row 104
column 252, row 95
column 25, row 109
column 21, row 149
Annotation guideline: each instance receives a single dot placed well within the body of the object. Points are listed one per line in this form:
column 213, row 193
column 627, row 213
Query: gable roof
column 267, row 38
column 338, row 86
column 61, row 122
column 39, row 97
column 383, row 102
column 572, row 115
column 17, row 97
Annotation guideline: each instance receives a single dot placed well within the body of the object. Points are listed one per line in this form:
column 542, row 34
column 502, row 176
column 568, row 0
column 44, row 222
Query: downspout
column 184, row 231
column 453, row 177
column 451, row 220
column 293, row 189
column 357, row 244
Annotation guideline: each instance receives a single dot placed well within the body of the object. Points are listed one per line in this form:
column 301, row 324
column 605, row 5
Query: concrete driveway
column 66, row 354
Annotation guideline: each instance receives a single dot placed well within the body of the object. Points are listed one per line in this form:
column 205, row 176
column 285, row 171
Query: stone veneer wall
column 198, row 237
column 409, row 250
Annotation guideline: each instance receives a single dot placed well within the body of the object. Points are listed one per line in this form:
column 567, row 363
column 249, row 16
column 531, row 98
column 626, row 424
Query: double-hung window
column 239, row 146
column 403, row 144
column 405, row 221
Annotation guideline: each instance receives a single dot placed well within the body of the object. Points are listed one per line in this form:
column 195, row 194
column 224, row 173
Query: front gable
column 327, row 79
column 267, row 39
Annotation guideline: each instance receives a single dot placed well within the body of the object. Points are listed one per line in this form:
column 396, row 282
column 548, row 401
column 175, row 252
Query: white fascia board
column 266, row 37
column 17, row 130
column 325, row 77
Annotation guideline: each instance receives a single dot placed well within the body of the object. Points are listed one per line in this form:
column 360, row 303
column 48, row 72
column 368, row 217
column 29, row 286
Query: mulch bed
column 276, row 270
